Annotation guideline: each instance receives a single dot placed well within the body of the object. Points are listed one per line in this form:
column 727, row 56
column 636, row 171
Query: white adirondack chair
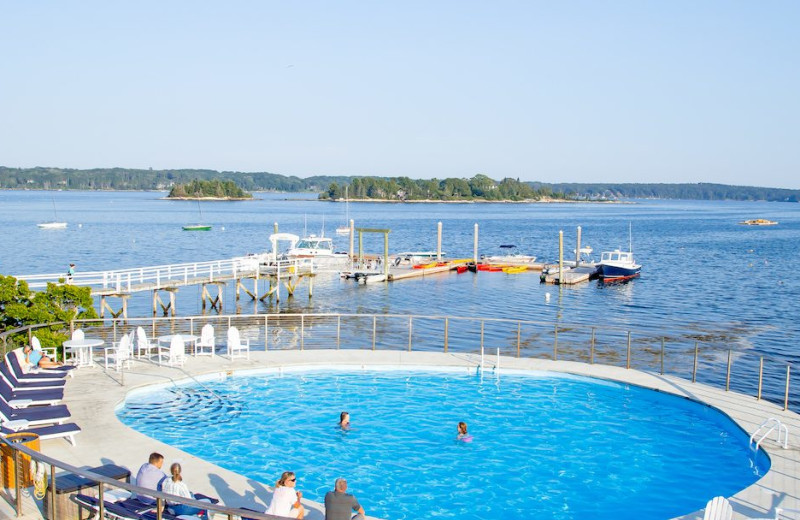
column 175, row 354
column 121, row 353
column 144, row 347
column 237, row 347
column 718, row 508
column 206, row 345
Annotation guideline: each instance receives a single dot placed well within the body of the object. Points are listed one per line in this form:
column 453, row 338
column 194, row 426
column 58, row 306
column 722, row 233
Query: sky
column 575, row 91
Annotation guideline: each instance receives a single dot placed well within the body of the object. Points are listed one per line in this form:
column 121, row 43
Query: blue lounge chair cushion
column 9, row 393
column 5, row 370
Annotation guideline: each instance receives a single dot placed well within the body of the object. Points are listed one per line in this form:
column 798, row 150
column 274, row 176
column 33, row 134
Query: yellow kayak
column 514, row 269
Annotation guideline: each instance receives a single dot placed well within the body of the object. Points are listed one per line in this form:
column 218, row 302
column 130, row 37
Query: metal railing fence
column 104, row 483
column 688, row 357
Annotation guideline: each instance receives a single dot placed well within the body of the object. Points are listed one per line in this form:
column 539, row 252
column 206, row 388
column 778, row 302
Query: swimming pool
column 546, row 445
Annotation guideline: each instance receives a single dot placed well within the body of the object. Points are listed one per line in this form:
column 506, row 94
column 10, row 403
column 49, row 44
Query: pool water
column 545, row 445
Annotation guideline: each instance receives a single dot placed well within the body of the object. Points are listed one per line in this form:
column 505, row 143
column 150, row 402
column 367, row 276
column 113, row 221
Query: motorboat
column 412, row 258
column 618, row 265
column 196, row 227
column 315, row 247
column 512, row 258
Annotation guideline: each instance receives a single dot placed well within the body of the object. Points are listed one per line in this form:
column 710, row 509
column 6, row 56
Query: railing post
column 519, row 335
column 159, row 508
column 100, row 504
column 760, row 376
column 374, row 329
column 338, row 331
column 591, row 347
column 17, row 483
column 728, row 371
column 555, row 343
column 410, row 329
column 53, row 513
column 266, row 332
column 694, row 370
column 786, row 394
column 628, row 355
column 446, row 324
column 662, row 355
column 303, row 330
column 482, row 325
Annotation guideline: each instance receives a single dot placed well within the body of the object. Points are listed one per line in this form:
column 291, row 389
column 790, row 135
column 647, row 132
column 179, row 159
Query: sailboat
column 198, row 227
column 345, row 230
column 55, row 223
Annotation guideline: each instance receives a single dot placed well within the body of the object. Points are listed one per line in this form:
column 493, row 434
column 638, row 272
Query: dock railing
column 161, row 276
column 23, row 455
column 691, row 356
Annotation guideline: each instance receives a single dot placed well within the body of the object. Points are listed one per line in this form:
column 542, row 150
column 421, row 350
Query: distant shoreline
column 483, row 201
column 211, row 199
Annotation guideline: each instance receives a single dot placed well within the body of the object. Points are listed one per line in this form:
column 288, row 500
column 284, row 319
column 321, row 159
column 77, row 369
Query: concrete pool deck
column 93, row 394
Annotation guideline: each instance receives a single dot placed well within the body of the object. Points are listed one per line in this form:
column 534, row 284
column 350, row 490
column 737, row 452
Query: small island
column 214, row 189
column 479, row 188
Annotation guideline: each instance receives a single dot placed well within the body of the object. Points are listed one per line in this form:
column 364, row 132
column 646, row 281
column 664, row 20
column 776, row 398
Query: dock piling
column 439, row 241
column 475, row 245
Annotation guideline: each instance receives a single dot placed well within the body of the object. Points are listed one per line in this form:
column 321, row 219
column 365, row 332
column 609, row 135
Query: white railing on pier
column 170, row 275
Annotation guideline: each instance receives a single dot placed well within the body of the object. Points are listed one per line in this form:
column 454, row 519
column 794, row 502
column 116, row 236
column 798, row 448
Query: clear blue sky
column 592, row 91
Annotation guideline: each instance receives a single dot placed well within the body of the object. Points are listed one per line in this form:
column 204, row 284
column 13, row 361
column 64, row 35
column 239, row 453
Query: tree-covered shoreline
column 42, row 178
column 213, row 189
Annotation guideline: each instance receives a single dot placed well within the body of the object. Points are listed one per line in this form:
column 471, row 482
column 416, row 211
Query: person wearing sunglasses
column 285, row 498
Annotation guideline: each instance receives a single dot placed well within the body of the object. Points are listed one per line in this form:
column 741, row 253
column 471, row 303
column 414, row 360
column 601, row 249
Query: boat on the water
column 413, row 258
column 316, row 247
column 618, row 265
column 55, row 223
column 758, row 222
column 345, row 230
column 52, row 225
column 515, row 269
column 513, row 257
column 196, row 227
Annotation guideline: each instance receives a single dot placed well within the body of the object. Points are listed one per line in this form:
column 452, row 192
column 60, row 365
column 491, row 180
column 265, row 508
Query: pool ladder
column 770, row 425
column 496, row 366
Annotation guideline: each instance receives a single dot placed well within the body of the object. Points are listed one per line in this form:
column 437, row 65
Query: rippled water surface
column 544, row 446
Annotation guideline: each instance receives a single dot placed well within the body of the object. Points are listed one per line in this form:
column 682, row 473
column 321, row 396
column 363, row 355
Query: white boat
column 55, row 223
column 415, row 257
column 345, row 230
column 52, row 225
column 316, row 247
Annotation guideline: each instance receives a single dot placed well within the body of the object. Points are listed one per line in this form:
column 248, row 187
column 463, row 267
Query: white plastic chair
column 143, row 345
column 174, row 354
column 237, row 346
column 206, row 344
column 78, row 335
column 121, row 353
column 718, row 508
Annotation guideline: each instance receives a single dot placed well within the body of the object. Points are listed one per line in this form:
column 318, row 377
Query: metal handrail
column 451, row 326
column 103, row 481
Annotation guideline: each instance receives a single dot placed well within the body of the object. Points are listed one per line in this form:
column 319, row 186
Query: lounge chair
column 236, row 345
column 121, row 354
column 38, row 414
column 127, row 509
column 175, row 353
column 32, row 397
column 206, row 341
column 11, row 379
column 51, row 352
column 15, row 358
column 718, row 508
column 66, row 431
column 144, row 347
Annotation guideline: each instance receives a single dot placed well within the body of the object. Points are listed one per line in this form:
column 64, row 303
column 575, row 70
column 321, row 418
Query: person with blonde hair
column 285, row 498
column 176, row 486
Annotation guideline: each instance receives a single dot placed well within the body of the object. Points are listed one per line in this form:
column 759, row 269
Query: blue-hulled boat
column 618, row 265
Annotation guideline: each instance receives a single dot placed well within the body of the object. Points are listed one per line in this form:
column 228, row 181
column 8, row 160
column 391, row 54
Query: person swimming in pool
column 344, row 421
column 463, row 436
